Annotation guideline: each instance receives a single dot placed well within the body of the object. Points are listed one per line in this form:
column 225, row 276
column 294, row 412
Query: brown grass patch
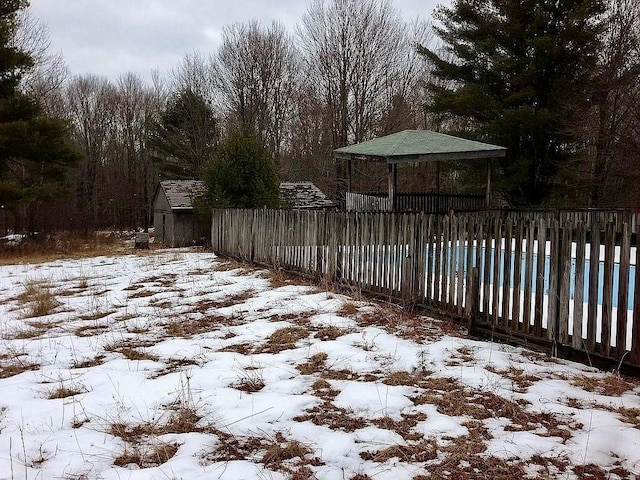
column 147, row 456
column 276, row 278
column 10, row 369
column 520, row 379
column 330, row 333
column 251, row 381
column 229, row 265
column 284, row 339
column 66, row 391
column 173, row 365
column 482, row 405
column 142, row 293
column 420, row 452
column 315, row 364
column 241, row 348
column 323, row 389
column 90, row 330
column 611, row 384
column 402, row 427
column 39, row 299
column 348, row 309
column 97, row 315
column 91, row 362
column 288, row 456
column 131, row 350
column 630, row 415
column 59, row 246
column 188, row 327
column 335, row 418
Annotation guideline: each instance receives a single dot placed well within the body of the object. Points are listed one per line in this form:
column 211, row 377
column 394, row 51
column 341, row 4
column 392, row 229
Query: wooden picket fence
column 564, row 284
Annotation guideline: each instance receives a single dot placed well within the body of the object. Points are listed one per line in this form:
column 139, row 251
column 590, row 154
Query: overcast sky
column 111, row 37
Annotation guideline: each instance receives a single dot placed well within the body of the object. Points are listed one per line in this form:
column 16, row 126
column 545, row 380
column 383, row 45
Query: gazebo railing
column 413, row 202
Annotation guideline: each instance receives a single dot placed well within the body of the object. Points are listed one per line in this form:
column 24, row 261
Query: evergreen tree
column 241, row 175
column 183, row 139
column 517, row 73
column 35, row 149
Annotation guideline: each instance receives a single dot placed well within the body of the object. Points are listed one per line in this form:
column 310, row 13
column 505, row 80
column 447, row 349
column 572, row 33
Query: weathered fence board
column 568, row 282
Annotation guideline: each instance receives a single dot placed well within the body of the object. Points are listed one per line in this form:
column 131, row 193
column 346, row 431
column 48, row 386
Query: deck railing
column 413, row 202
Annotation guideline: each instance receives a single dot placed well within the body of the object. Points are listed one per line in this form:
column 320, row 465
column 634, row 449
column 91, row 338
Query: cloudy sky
column 116, row 36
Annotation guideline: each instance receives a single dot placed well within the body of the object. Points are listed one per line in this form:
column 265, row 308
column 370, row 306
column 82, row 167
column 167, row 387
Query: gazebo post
column 488, row 194
column 393, row 185
column 349, row 174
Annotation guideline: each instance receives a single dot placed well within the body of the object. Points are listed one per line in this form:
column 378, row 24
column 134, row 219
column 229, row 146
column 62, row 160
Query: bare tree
column 45, row 79
column 611, row 125
column 257, row 70
column 363, row 56
column 91, row 104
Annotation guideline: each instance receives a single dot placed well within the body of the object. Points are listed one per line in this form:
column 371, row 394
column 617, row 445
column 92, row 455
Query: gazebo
column 417, row 146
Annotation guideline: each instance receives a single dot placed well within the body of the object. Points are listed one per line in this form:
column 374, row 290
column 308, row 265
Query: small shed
column 417, row 146
column 304, row 196
column 174, row 218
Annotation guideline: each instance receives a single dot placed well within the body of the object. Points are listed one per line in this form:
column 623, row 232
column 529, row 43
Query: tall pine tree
column 516, row 73
column 35, row 149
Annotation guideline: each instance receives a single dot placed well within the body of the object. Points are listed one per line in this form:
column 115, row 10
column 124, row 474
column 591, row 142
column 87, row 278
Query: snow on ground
column 178, row 365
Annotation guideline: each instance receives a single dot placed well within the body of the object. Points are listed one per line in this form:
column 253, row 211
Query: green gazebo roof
column 419, row 146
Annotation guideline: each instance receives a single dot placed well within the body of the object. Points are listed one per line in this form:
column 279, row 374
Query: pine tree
column 35, row 149
column 241, row 175
column 517, row 74
column 183, row 139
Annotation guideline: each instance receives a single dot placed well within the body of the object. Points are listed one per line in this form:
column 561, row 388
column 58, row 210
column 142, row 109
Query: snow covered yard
column 178, row 365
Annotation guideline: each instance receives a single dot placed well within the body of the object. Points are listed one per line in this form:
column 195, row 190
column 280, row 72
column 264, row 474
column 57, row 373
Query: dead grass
column 241, row 348
column 315, row 364
column 173, row 365
column 276, row 278
column 187, row 327
column 284, row 339
column 330, row 333
column 403, row 427
column 612, row 384
column 91, row 362
column 250, row 381
column 348, row 309
column 61, row 245
column 290, row 457
column 147, row 456
column 520, row 379
column 64, row 391
column 336, row 418
column 630, row 415
column 323, row 389
column 15, row 367
column 132, row 349
column 38, row 299
column 482, row 405
column 419, row 452
column 90, row 330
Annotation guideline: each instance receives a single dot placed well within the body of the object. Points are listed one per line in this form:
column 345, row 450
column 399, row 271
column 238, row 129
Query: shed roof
column 304, row 195
column 418, row 146
column 180, row 193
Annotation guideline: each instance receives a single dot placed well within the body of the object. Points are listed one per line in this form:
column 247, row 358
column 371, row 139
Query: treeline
column 556, row 82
